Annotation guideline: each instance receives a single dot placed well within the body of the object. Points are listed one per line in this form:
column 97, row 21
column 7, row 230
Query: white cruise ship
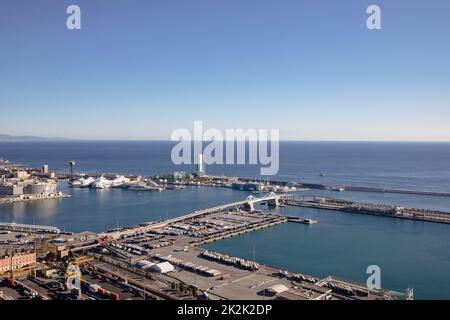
column 144, row 187
column 86, row 183
column 119, row 181
column 82, row 183
column 102, row 183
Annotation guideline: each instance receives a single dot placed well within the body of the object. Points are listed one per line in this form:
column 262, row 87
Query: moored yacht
column 86, row 183
column 82, row 182
column 101, row 183
column 144, row 187
column 119, row 181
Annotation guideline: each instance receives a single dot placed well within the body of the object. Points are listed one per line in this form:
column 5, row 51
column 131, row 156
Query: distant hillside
column 6, row 137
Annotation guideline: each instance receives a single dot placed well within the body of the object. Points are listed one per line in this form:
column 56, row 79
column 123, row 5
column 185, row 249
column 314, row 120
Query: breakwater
column 341, row 187
column 372, row 209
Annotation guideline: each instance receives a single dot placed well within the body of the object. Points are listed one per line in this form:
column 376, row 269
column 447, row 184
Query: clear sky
column 140, row 69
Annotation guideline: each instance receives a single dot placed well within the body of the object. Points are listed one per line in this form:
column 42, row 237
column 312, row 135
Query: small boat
column 301, row 220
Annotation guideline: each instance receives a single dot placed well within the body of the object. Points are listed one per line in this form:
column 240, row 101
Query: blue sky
column 140, row 69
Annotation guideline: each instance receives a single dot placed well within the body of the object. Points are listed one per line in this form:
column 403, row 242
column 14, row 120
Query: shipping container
column 114, row 296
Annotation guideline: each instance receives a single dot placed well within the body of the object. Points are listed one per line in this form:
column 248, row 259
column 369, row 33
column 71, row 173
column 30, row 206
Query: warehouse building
column 163, row 267
column 16, row 261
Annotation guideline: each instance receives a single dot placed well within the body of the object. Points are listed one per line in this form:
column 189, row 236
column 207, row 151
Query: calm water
column 99, row 210
column 410, row 253
column 415, row 166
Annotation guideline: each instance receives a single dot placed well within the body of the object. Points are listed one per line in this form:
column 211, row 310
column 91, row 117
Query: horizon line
column 45, row 139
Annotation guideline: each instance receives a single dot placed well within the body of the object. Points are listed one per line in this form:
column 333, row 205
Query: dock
column 248, row 203
column 372, row 209
column 11, row 226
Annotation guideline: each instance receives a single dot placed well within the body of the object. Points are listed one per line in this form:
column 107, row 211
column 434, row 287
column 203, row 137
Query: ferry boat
column 301, row 220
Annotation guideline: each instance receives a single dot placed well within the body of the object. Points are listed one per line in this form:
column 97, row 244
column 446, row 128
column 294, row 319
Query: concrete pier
column 373, row 209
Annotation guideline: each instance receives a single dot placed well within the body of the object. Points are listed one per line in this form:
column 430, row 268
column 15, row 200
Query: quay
column 32, row 197
column 248, row 203
column 28, row 228
column 243, row 230
column 371, row 209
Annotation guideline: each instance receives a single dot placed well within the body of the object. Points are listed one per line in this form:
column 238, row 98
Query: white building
column 144, row 264
column 163, row 267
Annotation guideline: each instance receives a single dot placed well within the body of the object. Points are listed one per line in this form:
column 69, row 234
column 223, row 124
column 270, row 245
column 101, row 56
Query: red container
column 101, row 291
column 114, row 296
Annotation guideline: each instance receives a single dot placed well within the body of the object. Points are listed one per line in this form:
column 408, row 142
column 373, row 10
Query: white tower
column 200, row 163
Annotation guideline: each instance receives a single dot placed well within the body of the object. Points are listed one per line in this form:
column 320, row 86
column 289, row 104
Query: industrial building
column 163, row 267
column 144, row 264
column 16, row 261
